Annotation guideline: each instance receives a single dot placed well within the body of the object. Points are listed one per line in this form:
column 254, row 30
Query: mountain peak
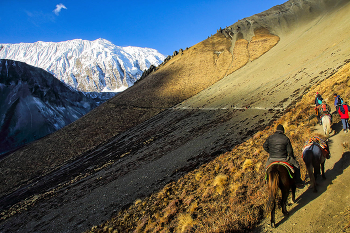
column 90, row 66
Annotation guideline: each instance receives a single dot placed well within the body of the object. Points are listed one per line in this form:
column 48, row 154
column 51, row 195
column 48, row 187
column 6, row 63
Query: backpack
column 342, row 109
column 340, row 100
column 324, row 108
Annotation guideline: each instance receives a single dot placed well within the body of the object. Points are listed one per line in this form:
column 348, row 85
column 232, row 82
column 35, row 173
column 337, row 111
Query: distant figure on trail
column 337, row 99
column 344, row 115
column 280, row 149
column 318, row 101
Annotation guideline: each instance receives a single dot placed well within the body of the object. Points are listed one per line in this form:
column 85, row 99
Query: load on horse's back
column 315, row 153
column 324, row 108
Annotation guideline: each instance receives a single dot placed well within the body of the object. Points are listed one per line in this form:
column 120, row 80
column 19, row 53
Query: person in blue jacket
column 337, row 99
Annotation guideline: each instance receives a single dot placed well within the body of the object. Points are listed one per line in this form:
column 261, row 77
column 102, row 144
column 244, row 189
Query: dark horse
column 278, row 177
column 314, row 157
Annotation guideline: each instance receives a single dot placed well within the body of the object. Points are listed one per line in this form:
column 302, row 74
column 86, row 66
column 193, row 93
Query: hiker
column 318, row 101
column 280, row 148
column 344, row 115
column 337, row 99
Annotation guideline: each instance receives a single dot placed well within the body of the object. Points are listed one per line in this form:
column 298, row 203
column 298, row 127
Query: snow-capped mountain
column 33, row 103
column 89, row 66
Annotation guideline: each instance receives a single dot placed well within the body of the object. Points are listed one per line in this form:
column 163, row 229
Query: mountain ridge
column 88, row 66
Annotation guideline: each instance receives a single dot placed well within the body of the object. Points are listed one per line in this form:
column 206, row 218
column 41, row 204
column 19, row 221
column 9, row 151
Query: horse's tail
column 307, row 157
column 273, row 182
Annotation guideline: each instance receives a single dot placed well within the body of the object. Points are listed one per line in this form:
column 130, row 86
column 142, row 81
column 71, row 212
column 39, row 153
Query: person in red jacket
column 343, row 111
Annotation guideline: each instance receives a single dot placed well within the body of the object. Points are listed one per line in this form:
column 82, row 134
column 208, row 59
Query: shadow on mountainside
column 132, row 165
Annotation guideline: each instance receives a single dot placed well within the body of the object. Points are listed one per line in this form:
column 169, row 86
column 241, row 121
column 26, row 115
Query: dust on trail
column 328, row 210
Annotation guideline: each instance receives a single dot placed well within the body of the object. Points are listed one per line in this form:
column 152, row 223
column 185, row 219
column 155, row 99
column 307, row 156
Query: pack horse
column 315, row 153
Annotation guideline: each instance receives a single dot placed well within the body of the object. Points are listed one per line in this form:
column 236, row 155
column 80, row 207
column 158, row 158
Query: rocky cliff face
column 89, row 66
column 33, row 103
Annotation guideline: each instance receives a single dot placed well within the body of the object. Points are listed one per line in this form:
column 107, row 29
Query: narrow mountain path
column 226, row 108
column 328, row 210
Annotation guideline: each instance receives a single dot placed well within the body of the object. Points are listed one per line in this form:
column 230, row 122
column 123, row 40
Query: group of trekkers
column 341, row 108
column 280, row 148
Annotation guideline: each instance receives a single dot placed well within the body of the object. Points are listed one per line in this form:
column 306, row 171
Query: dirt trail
column 328, row 210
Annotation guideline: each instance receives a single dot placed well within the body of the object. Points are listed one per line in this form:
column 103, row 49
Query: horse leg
column 293, row 192
column 317, row 169
column 285, row 193
column 324, row 126
column 273, row 180
column 312, row 178
column 273, row 221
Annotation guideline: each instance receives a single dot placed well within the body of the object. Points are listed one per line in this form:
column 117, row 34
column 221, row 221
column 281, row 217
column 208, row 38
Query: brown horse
column 278, row 177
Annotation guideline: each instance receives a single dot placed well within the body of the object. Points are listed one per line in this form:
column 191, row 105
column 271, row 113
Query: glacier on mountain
column 88, row 66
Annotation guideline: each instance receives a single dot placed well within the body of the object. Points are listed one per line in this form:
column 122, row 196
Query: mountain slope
column 166, row 131
column 33, row 104
column 89, row 66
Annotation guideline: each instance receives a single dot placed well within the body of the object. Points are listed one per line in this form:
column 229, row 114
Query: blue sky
column 163, row 25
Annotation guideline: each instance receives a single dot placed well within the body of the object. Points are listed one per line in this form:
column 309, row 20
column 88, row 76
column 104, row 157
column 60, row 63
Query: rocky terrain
column 199, row 105
column 34, row 104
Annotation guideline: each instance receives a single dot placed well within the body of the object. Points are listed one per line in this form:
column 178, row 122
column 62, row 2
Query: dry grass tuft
column 247, row 164
column 137, row 202
column 198, row 176
column 346, row 147
column 185, row 223
column 220, row 183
